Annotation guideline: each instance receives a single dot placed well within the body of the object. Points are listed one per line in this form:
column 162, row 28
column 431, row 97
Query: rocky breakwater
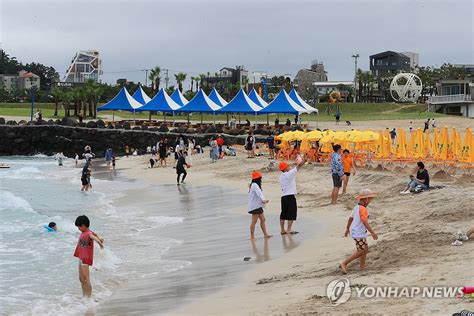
column 69, row 137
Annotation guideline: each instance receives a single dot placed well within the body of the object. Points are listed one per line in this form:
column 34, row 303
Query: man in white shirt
column 289, row 207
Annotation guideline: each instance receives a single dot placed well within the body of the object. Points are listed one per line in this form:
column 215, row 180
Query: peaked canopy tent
column 296, row 97
column 283, row 104
column 200, row 104
column 241, row 103
column 141, row 96
column 178, row 97
column 255, row 97
column 161, row 102
column 123, row 101
column 216, row 98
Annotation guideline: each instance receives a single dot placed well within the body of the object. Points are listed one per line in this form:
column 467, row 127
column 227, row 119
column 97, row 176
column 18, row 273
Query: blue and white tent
column 216, row 97
column 200, row 104
column 255, row 97
column 123, row 101
column 241, row 103
column 283, row 104
column 141, row 96
column 296, row 97
column 161, row 102
column 178, row 97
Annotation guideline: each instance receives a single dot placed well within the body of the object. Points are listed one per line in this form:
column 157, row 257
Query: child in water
column 85, row 252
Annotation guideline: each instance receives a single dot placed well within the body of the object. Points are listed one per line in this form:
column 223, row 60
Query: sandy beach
column 414, row 246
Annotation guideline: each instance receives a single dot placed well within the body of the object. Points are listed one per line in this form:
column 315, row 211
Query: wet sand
column 214, row 241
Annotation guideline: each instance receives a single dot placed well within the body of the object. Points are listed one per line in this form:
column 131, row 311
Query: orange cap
column 283, row 166
column 256, row 175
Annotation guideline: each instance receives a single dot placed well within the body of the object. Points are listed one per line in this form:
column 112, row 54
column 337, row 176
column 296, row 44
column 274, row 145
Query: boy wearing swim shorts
column 348, row 163
column 85, row 252
column 358, row 224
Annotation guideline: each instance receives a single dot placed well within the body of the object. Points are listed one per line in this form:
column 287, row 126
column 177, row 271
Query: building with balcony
column 455, row 97
column 238, row 75
column 391, row 62
column 84, row 65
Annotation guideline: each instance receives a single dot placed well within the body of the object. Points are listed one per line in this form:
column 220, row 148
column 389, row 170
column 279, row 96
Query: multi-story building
column 390, row 62
column 84, row 65
column 306, row 77
column 238, row 75
column 454, row 97
column 414, row 59
column 23, row 81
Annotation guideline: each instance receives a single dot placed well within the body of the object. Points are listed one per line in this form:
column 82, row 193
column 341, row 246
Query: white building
column 84, row 65
column 326, row 87
column 414, row 59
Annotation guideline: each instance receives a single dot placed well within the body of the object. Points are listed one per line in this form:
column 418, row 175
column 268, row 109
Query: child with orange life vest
column 85, row 252
column 256, row 202
column 349, row 165
column 358, row 225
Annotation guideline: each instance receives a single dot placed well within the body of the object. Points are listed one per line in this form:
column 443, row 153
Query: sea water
column 165, row 245
column 38, row 273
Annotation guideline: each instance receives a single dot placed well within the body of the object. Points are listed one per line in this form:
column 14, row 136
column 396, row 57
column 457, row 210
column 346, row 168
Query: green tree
column 57, row 95
column 170, row 90
column 155, row 79
column 180, row 77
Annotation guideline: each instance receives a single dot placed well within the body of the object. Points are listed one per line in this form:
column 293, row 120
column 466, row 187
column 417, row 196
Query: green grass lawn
column 349, row 111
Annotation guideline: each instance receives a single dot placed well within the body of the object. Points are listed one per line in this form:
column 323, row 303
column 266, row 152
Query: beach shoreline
column 296, row 283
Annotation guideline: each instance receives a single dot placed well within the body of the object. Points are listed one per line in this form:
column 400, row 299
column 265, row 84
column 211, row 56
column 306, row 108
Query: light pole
column 355, row 75
column 146, row 76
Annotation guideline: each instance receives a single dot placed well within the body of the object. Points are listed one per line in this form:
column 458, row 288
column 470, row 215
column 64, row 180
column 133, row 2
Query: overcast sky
column 200, row 36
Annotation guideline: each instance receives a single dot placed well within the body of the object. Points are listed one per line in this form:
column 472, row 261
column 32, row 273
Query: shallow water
column 165, row 245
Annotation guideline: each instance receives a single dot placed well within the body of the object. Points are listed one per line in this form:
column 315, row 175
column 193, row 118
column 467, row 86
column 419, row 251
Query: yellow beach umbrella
column 314, row 135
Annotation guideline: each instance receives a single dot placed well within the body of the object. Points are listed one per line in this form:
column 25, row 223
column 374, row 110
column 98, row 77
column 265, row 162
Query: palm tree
column 67, row 99
column 201, row 78
column 155, row 79
column 57, row 95
column 192, row 82
column 180, row 77
column 170, row 90
column 245, row 83
column 91, row 92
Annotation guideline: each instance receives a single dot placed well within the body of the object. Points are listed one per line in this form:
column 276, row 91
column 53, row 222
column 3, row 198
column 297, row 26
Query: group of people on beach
column 289, row 208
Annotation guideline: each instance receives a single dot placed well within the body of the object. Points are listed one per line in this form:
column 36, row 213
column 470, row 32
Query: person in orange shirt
column 349, row 165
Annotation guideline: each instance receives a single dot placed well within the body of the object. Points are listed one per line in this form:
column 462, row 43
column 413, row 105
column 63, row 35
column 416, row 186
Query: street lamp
column 355, row 56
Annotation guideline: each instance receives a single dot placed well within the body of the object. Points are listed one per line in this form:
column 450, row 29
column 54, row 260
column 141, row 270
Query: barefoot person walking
column 288, row 196
column 337, row 170
column 357, row 226
column 256, row 202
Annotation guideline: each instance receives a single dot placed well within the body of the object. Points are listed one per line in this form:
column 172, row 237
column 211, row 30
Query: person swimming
column 51, row 227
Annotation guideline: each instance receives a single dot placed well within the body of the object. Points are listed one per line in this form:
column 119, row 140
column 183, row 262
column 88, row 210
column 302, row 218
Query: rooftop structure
column 84, row 65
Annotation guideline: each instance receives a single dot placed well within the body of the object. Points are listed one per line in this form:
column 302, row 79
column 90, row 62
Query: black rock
column 91, row 124
column 100, row 124
column 164, row 129
column 144, row 127
column 67, row 121
column 110, row 126
column 2, row 121
column 11, row 122
column 126, row 125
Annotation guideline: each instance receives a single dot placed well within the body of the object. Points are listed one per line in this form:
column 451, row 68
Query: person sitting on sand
column 256, row 202
column 422, row 180
column 357, row 226
column 349, row 165
column 289, row 207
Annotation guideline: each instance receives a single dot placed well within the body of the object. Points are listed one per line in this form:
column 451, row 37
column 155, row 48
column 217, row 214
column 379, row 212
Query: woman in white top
column 256, row 203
